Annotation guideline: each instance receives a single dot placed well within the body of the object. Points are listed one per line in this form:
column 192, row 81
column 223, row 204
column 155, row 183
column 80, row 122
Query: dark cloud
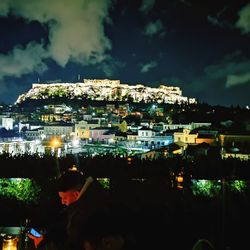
column 244, row 19
column 146, row 6
column 153, row 28
column 148, row 66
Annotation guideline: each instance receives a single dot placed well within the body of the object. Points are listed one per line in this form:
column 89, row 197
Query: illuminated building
column 106, row 90
column 7, row 123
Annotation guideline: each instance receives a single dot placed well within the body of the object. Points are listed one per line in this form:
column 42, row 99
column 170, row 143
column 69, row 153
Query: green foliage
column 207, row 188
column 105, row 182
column 123, row 126
column 24, row 190
column 238, row 186
column 211, row 188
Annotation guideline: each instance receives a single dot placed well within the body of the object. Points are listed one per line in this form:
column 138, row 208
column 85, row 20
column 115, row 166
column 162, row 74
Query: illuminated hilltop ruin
column 106, row 90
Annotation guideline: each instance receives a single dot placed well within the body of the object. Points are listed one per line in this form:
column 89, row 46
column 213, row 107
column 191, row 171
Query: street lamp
column 180, row 180
column 55, row 144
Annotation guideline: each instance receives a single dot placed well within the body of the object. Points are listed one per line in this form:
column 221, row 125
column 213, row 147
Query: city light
column 55, row 142
column 75, row 142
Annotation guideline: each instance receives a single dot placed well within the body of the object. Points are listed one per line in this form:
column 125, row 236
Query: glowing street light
column 55, row 142
column 129, row 160
column 180, row 180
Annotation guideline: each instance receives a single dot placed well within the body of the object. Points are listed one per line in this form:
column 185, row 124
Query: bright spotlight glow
column 75, row 142
column 55, row 142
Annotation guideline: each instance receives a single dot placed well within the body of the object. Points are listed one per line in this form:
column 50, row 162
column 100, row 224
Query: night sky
column 201, row 46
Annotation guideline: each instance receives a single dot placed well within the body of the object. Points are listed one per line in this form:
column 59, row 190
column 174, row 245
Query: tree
column 123, row 126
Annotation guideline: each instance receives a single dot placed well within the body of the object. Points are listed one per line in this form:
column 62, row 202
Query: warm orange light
column 55, row 142
column 73, row 168
column 10, row 243
column 179, row 179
